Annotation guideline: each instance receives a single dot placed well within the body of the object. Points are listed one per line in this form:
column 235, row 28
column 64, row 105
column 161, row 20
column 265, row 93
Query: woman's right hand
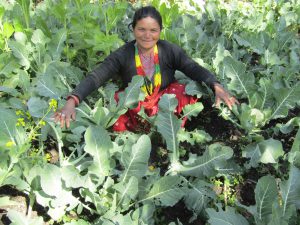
column 66, row 114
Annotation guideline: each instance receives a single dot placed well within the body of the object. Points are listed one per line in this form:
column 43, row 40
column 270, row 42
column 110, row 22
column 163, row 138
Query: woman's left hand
column 223, row 96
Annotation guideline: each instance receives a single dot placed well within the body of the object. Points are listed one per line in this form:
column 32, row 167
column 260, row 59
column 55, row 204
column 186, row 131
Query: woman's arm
column 198, row 73
column 108, row 69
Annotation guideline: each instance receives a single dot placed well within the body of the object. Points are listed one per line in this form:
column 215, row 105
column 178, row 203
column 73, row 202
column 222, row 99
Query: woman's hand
column 222, row 95
column 66, row 114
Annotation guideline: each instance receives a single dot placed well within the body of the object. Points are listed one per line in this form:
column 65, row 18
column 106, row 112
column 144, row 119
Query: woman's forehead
column 148, row 21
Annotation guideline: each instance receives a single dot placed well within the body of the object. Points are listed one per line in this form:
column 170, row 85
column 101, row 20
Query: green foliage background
column 103, row 177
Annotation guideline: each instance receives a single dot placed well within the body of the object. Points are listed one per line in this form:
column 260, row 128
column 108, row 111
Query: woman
column 148, row 56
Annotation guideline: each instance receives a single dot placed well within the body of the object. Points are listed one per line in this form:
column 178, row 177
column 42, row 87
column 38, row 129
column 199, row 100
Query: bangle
column 75, row 98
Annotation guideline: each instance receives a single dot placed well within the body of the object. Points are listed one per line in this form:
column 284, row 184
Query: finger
column 236, row 101
column 73, row 116
column 62, row 120
column 228, row 103
column 231, row 101
column 67, row 121
column 217, row 102
column 56, row 117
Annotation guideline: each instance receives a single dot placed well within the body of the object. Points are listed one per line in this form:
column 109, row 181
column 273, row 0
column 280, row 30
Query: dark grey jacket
column 122, row 63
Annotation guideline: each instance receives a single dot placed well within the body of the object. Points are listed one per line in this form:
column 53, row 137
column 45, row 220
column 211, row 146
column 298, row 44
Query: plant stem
column 32, row 132
column 30, row 206
column 59, row 143
column 11, row 165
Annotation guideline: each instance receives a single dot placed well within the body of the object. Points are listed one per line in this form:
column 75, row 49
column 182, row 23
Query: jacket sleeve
column 108, row 69
column 191, row 68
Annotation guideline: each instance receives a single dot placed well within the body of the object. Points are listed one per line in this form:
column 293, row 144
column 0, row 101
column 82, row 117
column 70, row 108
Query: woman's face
column 146, row 33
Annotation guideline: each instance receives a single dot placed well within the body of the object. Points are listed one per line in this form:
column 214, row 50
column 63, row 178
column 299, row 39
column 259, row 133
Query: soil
column 180, row 212
column 21, row 204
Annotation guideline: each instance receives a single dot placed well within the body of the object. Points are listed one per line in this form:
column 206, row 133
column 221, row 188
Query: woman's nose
column 147, row 34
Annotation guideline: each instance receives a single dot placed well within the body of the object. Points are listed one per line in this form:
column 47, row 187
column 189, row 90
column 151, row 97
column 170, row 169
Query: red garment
column 131, row 120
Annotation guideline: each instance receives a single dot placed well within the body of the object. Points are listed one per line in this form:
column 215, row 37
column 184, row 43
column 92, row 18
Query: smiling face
column 146, row 33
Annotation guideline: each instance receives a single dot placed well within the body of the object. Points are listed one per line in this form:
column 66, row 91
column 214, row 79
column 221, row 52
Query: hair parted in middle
column 146, row 11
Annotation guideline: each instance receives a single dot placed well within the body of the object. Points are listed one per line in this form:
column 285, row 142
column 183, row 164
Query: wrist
column 73, row 99
column 217, row 86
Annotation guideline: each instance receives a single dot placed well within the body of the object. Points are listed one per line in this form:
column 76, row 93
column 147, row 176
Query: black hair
column 147, row 11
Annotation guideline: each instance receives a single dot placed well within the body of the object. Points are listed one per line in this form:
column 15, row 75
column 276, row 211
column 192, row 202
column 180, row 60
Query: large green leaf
column 192, row 110
column 21, row 51
column 198, row 196
column 256, row 42
column 109, row 93
column 72, row 178
column 5, row 201
column 266, row 194
column 18, row 218
column 168, row 124
column 294, row 153
column 135, row 160
column 7, row 125
column 194, row 88
column 221, row 53
column 132, row 94
column 57, row 44
column 266, row 151
column 37, row 107
column 251, row 118
column 112, row 218
column 98, row 144
column 228, row 217
column 127, row 191
column 8, row 63
column 278, row 218
column 145, row 214
column 286, row 99
column 24, row 81
column 263, row 97
column 290, row 125
column 10, row 91
column 51, row 181
column 38, row 37
column 241, row 82
column 166, row 191
column 192, row 137
column 290, row 190
column 78, row 222
column 214, row 159
column 57, row 79
column 271, row 58
column 8, row 30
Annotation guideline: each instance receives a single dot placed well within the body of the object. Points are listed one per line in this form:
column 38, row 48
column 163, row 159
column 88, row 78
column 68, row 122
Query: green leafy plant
column 104, row 177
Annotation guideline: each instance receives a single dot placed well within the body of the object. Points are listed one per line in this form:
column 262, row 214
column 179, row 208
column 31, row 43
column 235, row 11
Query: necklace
column 146, row 57
column 148, row 87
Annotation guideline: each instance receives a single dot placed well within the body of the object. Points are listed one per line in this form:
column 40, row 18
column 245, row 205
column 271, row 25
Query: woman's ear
column 130, row 27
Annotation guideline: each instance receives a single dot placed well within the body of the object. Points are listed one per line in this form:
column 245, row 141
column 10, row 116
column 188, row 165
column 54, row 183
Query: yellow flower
column 21, row 122
column 151, row 168
column 33, row 152
column 19, row 112
column 42, row 123
column 53, row 104
column 28, row 115
column 48, row 157
column 10, row 144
